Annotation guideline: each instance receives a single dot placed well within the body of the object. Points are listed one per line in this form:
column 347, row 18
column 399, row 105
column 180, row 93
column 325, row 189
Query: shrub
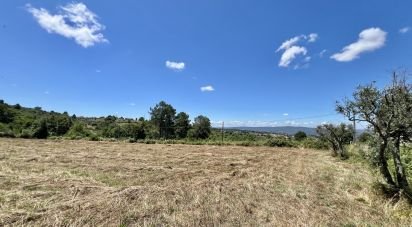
column 246, row 143
column 315, row 143
column 6, row 131
column 299, row 136
column 78, row 131
column 280, row 142
column 365, row 137
column 94, row 137
column 26, row 134
column 40, row 130
column 132, row 140
column 150, row 141
column 135, row 130
column 6, row 116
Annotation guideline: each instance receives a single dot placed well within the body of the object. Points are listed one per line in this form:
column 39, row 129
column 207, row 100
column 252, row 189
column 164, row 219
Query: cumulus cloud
column 290, row 54
column 74, row 21
column 177, row 66
column 404, row 30
column 369, row 40
column 312, row 37
column 207, row 88
column 292, row 50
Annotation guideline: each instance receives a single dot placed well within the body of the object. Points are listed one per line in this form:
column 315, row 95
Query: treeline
column 164, row 123
column 164, row 126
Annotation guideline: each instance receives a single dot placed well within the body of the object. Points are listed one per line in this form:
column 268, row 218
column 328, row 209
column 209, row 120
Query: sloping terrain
column 77, row 183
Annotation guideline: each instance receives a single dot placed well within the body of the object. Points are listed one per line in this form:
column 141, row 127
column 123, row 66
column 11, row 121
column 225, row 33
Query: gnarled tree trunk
column 383, row 164
column 401, row 177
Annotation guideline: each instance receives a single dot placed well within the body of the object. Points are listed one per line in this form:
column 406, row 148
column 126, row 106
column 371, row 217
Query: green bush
column 280, row 142
column 6, row 116
column 365, row 137
column 78, row 131
column 246, row 143
column 94, row 137
column 132, row 140
column 315, row 143
column 40, row 130
column 7, row 133
column 149, row 141
column 26, row 134
column 299, row 136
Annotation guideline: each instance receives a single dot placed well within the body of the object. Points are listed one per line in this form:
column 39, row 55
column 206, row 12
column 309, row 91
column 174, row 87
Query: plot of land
column 79, row 183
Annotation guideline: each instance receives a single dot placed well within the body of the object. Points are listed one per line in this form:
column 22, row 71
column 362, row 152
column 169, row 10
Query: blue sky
column 249, row 63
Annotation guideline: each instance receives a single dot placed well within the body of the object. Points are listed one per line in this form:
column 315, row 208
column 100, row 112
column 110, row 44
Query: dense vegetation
column 17, row 121
column 164, row 126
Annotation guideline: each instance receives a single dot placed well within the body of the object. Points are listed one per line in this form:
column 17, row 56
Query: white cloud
column 322, row 53
column 132, row 104
column 404, row 30
column 288, row 43
column 74, row 21
column 290, row 54
column 292, row 123
column 313, row 37
column 292, row 50
column 369, row 40
column 207, row 88
column 285, row 114
column 46, row 92
column 177, row 66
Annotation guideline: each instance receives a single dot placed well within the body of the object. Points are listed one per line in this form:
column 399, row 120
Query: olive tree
column 388, row 112
column 337, row 136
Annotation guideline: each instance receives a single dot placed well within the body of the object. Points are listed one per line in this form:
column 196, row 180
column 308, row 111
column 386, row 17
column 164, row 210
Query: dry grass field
column 81, row 183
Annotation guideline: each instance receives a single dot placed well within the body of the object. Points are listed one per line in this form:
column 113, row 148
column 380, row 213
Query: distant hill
column 285, row 130
column 288, row 130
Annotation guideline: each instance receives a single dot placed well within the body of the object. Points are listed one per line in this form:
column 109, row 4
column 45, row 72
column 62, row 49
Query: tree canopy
column 388, row 112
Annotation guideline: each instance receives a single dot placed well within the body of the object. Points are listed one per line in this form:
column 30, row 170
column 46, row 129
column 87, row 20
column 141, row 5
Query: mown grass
column 77, row 183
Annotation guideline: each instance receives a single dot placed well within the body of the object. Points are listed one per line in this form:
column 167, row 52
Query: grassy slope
column 45, row 182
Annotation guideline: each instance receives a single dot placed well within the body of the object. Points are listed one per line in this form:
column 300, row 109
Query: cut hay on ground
column 77, row 183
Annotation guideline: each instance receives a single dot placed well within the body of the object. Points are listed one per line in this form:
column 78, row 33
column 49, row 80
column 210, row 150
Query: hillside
column 288, row 130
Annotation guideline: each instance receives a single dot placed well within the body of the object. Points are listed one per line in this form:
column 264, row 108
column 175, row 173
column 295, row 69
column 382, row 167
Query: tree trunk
column 401, row 177
column 383, row 165
column 342, row 151
column 335, row 149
